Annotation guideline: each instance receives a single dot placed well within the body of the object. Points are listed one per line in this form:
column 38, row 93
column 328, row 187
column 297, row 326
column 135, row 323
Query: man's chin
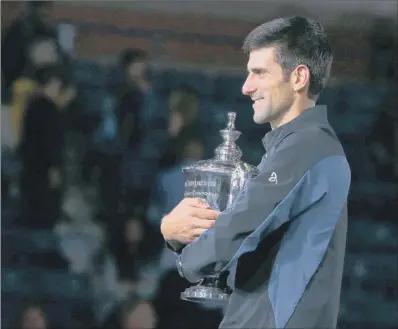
column 260, row 118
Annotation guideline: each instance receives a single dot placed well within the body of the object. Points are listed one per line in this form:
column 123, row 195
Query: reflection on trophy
column 218, row 181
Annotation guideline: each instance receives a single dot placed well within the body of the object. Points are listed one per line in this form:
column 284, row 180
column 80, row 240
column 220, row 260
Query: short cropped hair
column 132, row 55
column 298, row 41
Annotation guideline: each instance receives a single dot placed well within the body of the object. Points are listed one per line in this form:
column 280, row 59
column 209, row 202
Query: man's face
column 43, row 53
column 267, row 86
column 137, row 69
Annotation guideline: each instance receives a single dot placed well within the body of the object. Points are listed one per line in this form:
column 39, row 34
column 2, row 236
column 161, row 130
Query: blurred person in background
column 130, row 107
column 141, row 315
column 129, row 254
column 138, row 247
column 132, row 313
column 41, row 151
column 119, row 130
column 131, row 74
column 118, row 136
column 183, row 103
column 382, row 142
column 35, row 22
column 142, row 132
column 33, row 317
column 168, row 190
column 104, row 157
column 41, row 52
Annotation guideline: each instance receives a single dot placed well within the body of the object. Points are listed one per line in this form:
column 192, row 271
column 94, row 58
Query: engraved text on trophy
column 214, row 188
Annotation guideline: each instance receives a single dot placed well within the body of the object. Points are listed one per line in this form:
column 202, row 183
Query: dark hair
column 298, row 41
column 40, row 39
column 187, row 101
column 184, row 88
column 132, row 55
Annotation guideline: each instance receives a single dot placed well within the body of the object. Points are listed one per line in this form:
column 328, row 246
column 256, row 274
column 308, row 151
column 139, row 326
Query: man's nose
column 248, row 87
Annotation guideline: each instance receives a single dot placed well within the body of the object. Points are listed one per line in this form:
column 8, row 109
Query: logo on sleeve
column 273, row 178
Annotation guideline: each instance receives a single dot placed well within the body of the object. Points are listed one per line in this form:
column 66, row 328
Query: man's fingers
column 204, row 213
column 203, row 223
column 196, row 202
column 198, row 232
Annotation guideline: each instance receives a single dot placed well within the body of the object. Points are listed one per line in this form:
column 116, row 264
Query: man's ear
column 300, row 77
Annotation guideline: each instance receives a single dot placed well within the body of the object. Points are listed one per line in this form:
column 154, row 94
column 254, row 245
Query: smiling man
column 283, row 242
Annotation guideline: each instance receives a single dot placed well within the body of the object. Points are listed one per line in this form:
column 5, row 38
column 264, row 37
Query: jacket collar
column 316, row 115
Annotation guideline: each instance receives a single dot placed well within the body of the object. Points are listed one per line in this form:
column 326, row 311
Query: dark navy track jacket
column 283, row 242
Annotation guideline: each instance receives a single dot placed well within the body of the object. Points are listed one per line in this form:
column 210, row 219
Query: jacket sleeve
column 279, row 175
column 175, row 246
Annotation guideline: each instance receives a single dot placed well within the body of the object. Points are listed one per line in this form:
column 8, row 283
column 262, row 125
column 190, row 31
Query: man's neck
column 293, row 112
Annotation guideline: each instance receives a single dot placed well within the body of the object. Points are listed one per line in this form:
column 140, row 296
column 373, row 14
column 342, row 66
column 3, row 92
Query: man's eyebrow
column 258, row 70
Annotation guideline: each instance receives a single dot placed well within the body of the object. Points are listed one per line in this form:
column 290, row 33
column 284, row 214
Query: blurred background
column 139, row 89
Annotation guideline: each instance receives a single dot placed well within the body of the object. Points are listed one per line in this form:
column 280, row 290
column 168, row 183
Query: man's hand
column 188, row 220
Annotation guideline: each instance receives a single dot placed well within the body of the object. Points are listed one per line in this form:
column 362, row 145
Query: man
column 41, row 150
column 42, row 52
column 284, row 240
column 168, row 189
column 142, row 126
column 35, row 22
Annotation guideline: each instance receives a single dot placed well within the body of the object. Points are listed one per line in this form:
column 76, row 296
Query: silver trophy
column 218, row 181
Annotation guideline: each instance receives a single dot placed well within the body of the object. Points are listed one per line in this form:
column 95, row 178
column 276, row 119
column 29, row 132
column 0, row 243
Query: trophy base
column 203, row 294
column 211, row 289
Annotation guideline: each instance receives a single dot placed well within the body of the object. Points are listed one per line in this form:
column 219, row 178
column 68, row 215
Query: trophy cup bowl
column 218, row 181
